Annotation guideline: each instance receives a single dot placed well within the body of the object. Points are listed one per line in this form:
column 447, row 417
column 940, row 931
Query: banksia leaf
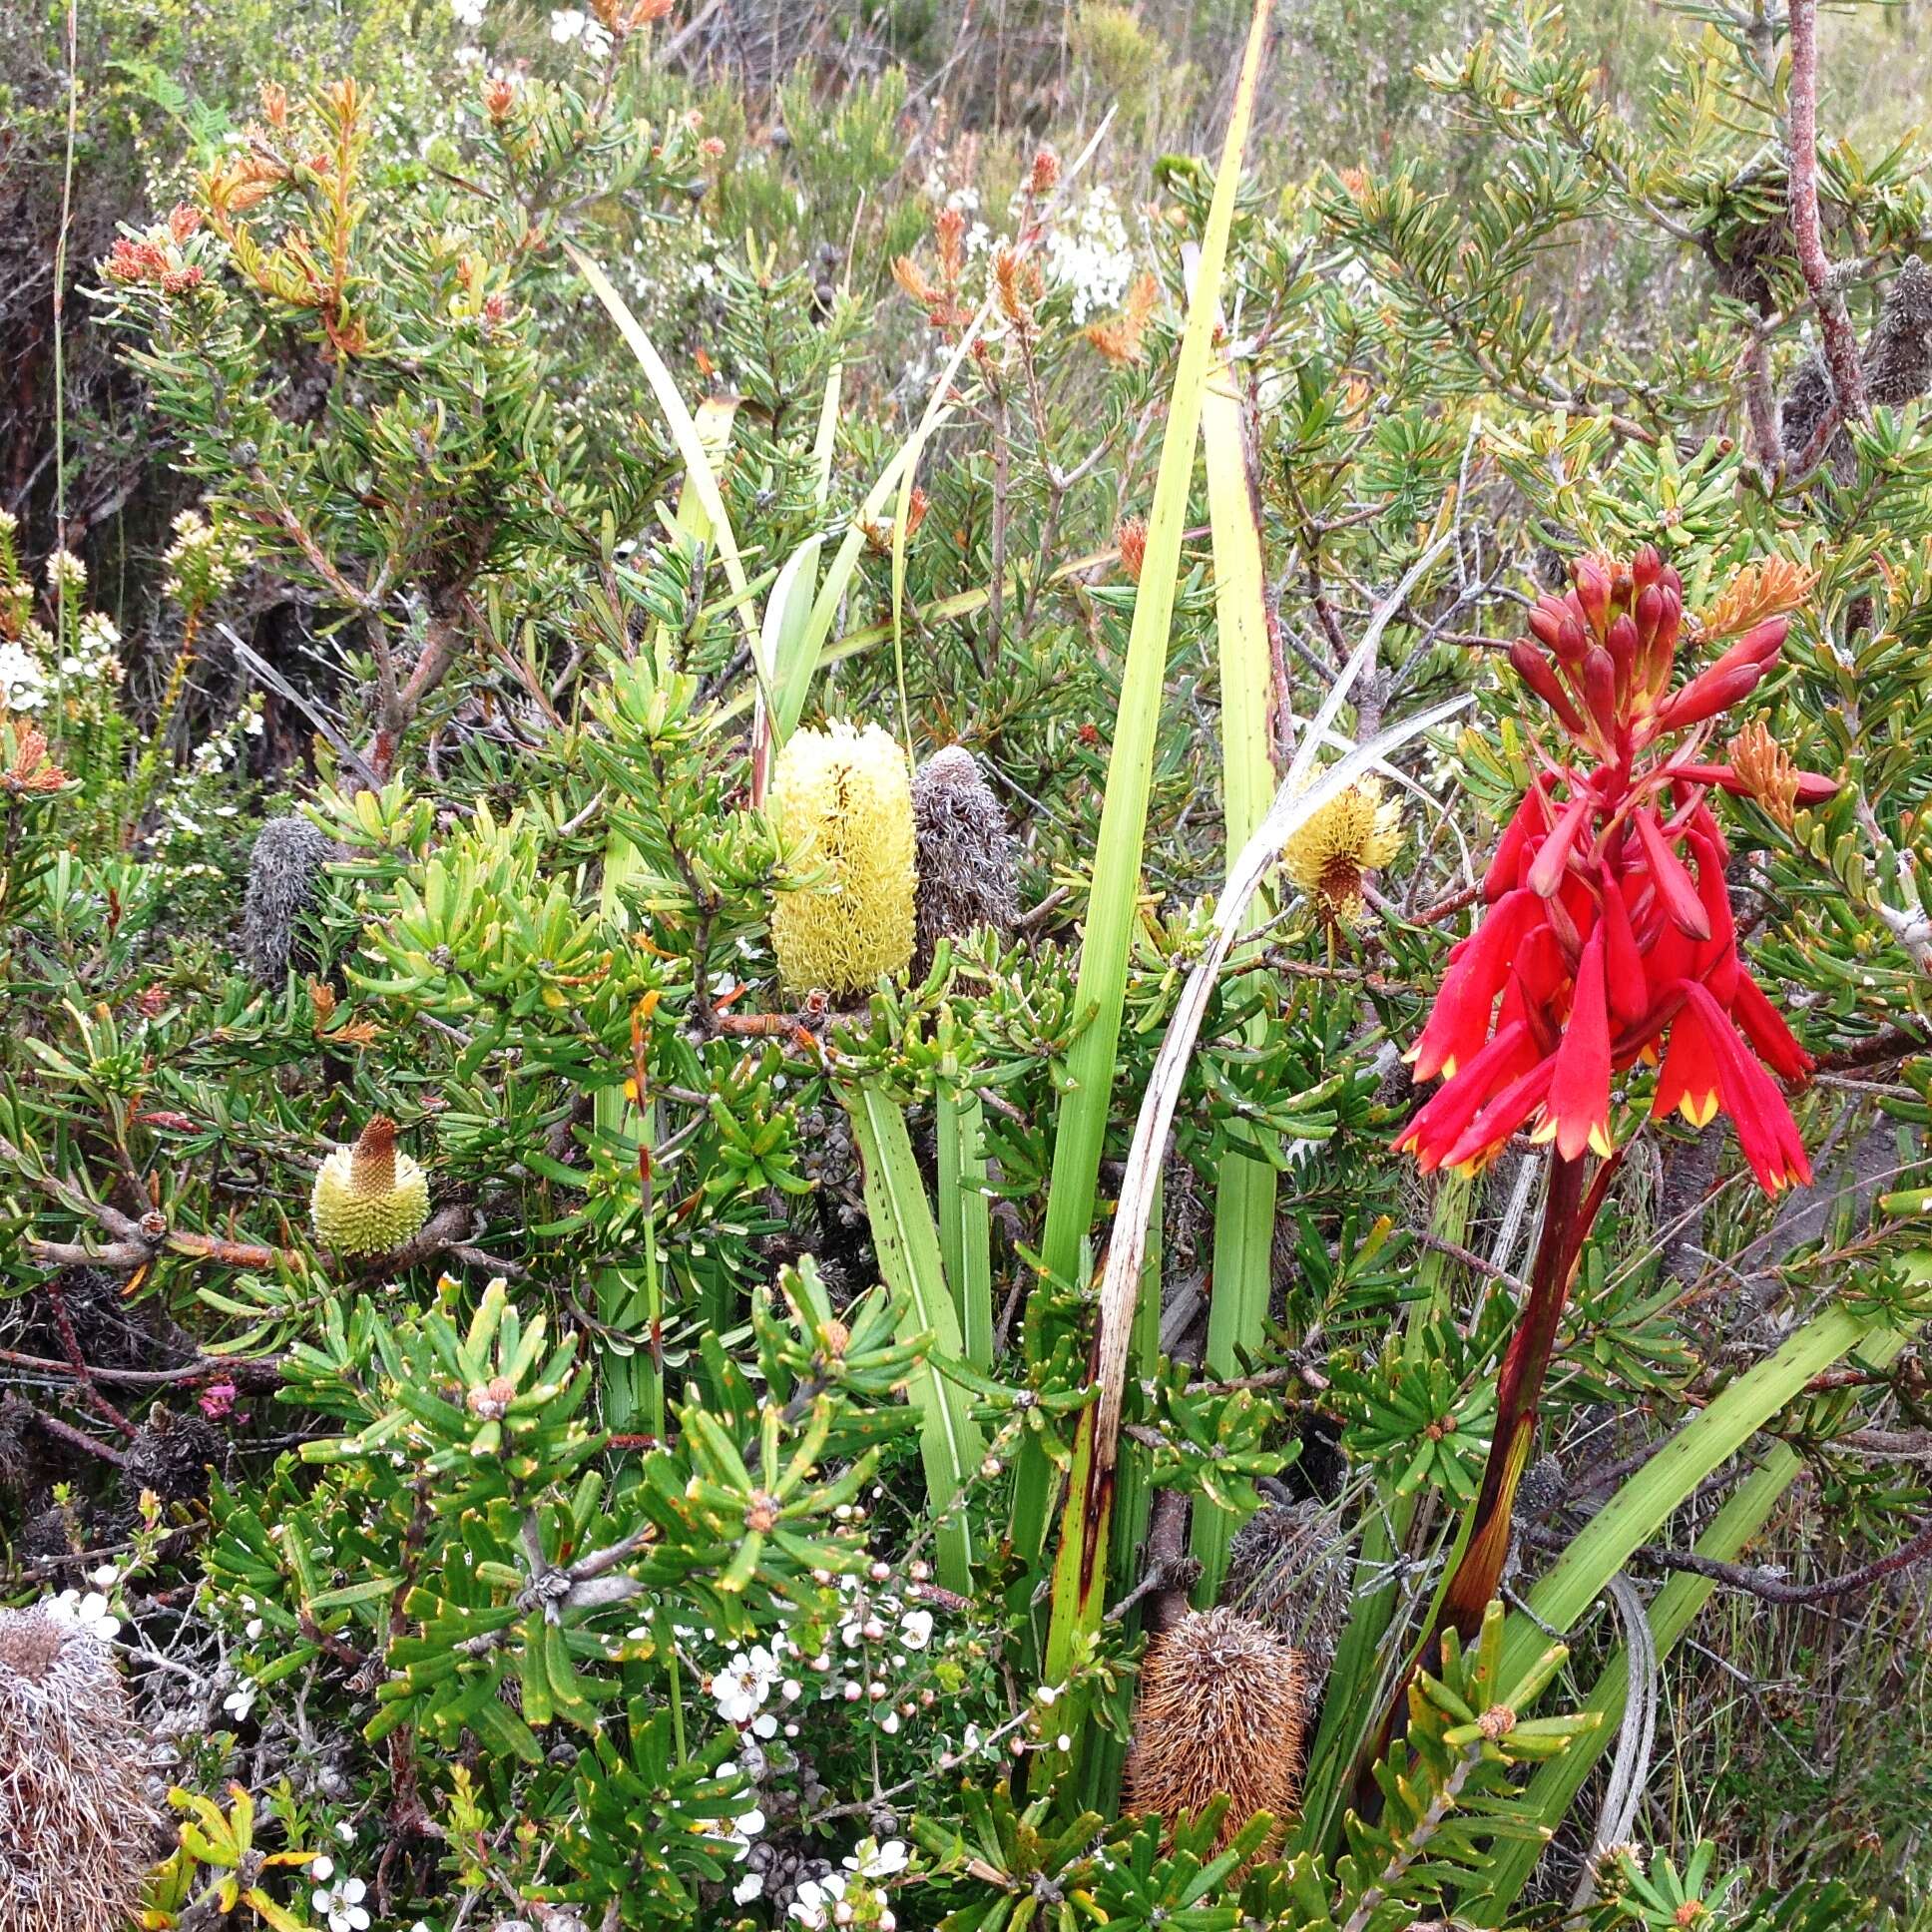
column 369, row 1199
column 843, row 801
column 965, row 853
column 1219, row 1713
column 76, row 1830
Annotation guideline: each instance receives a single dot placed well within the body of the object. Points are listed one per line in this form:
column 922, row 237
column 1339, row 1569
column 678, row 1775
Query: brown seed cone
column 1221, row 1710
column 966, row 867
column 77, row 1835
column 1289, row 1571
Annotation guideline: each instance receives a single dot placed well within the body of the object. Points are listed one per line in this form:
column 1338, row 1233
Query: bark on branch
column 1840, row 342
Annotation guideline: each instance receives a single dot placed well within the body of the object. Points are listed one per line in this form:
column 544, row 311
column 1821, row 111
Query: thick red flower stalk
column 1608, row 942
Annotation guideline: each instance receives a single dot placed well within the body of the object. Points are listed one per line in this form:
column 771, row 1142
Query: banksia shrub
column 369, row 1199
column 283, row 870
column 843, row 801
column 966, row 877
column 1221, row 1710
column 76, row 1833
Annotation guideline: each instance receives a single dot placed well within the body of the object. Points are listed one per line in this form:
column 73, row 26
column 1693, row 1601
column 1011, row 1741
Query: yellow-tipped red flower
column 1610, row 938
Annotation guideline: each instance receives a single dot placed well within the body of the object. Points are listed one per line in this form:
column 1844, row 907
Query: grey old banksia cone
column 77, row 1835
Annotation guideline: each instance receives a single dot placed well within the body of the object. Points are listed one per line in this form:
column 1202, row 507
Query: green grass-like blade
column 1100, row 992
column 908, row 1243
column 699, row 472
column 1101, row 987
column 966, row 1218
column 1673, row 1610
column 1650, row 1498
column 1244, row 1195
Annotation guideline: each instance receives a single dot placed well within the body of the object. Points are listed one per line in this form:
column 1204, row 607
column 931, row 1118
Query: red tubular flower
column 1608, row 942
column 1576, row 1113
column 1610, row 939
column 1709, row 1067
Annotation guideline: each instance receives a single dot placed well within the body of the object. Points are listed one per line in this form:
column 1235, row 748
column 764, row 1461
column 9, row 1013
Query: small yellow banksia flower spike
column 1355, row 833
column 842, row 798
column 368, row 1199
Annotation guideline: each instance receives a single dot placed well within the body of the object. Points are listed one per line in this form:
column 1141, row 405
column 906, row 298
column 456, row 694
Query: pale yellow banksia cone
column 1220, row 1711
column 369, row 1199
column 1356, row 832
column 842, row 798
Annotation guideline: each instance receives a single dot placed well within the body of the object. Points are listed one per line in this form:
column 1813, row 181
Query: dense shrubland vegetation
column 963, row 972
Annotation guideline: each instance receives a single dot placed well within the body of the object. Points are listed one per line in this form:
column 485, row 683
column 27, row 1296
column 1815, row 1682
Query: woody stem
column 1567, row 1214
column 1569, row 1211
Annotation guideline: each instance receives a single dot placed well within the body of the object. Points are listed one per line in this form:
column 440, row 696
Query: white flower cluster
column 88, row 1614
column 96, row 656
column 1086, row 249
column 469, row 13
column 203, row 560
column 868, row 1664
column 572, row 24
column 23, row 679
column 339, row 1901
column 745, row 1828
column 836, row 1900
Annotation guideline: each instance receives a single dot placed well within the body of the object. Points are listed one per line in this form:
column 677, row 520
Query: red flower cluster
column 156, row 255
column 1609, row 937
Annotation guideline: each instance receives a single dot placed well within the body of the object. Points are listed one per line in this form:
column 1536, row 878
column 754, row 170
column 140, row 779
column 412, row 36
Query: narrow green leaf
column 908, row 1243
column 966, row 1218
column 1080, row 1127
column 1652, row 1496
column 683, row 432
column 1673, row 1610
column 1243, row 1276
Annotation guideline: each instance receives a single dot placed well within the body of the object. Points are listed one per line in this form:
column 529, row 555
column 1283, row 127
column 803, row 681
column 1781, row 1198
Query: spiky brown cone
column 1221, row 1710
column 1290, row 1569
column 77, row 1836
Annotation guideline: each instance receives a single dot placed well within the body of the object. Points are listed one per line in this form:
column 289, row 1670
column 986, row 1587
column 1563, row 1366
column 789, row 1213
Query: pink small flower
column 217, row 1399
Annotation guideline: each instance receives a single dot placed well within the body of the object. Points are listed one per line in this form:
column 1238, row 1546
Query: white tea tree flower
column 340, row 1905
column 818, row 1901
column 740, row 1688
column 870, row 1859
column 89, row 1614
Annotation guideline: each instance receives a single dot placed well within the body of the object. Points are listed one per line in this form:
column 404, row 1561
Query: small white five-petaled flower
column 341, row 1905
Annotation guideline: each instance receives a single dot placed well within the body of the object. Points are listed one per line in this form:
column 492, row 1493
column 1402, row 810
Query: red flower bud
column 1539, row 674
column 1592, row 591
column 1600, row 690
column 1647, row 613
column 1708, row 694
column 1546, row 620
column 1622, row 645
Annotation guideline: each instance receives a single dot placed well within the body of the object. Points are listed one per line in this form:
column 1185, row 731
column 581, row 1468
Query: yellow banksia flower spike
column 369, row 1199
column 842, row 798
column 1355, row 833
